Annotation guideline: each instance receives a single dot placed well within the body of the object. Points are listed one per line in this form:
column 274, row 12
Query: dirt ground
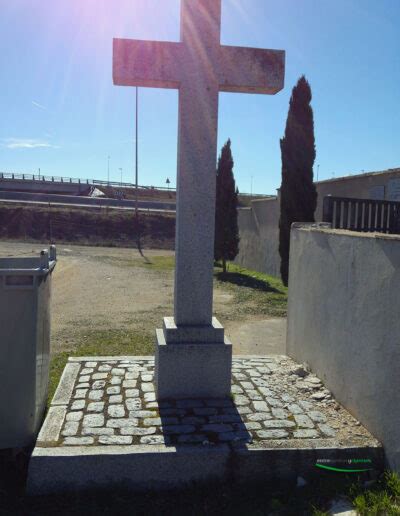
column 101, row 289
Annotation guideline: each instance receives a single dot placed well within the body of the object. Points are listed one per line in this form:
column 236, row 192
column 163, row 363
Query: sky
column 60, row 111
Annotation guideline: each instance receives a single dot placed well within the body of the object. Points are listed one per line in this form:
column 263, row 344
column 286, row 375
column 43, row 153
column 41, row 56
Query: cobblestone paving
column 273, row 398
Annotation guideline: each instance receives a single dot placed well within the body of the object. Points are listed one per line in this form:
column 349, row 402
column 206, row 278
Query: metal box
column 25, row 293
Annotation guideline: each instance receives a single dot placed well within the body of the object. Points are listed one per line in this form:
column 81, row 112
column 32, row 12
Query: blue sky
column 61, row 112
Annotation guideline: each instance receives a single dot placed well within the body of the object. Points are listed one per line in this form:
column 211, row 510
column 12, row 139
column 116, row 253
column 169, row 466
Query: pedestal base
column 195, row 370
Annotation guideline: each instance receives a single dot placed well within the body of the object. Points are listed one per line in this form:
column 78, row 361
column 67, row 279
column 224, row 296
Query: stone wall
column 259, row 224
column 259, row 236
column 343, row 321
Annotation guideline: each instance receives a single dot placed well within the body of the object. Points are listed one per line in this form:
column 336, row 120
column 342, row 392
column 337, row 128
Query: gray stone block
column 212, row 334
column 192, row 370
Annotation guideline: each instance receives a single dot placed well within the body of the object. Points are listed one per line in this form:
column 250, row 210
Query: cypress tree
column 298, row 192
column 226, row 244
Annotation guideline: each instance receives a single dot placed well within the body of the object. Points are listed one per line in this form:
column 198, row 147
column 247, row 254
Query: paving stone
column 129, row 384
column 100, row 376
column 216, row 428
column 131, row 430
column 235, row 436
column 115, row 439
column 220, row 402
column 93, row 420
column 143, row 413
column 113, row 390
column 305, row 434
column 274, row 402
column 91, row 364
column 117, row 398
column 98, row 384
column 132, row 393
column 254, row 395
column 272, row 434
column 122, row 423
column 152, row 439
column 241, row 400
column 70, row 428
column 116, row 410
column 204, row 411
column 83, row 385
column 97, row 431
column 295, row 409
column 253, row 373
column 243, row 410
column 148, row 396
column 279, row 423
column 259, row 416
column 236, row 389
column 104, row 368
column 316, row 416
column 78, row 405
column 84, row 379
column 327, row 430
column 306, row 405
column 264, row 369
column 225, row 418
column 280, row 413
column 152, row 404
column 147, row 377
column 116, row 380
column 118, row 371
column 131, row 375
column 74, row 416
column 303, row 421
column 189, row 404
column 192, row 438
column 252, row 425
column 78, row 441
column 178, row 429
column 194, row 420
column 87, row 370
column 247, row 385
column 173, row 412
column 147, row 387
column 240, row 376
column 151, row 421
column 96, row 395
column 260, row 406
column 96, row 406
column 81, row 393
column 133, row 404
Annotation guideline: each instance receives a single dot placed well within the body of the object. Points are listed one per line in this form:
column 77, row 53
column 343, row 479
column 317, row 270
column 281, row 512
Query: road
column 85, row 202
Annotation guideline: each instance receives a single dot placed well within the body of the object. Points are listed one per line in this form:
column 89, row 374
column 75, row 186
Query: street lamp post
column 108, row 170
column 136, row 152
column 121, row 175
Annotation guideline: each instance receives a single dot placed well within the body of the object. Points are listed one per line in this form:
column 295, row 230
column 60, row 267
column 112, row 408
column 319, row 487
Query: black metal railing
column 365, row 215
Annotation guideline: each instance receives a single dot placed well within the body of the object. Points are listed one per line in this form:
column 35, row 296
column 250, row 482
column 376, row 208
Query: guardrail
column 366, row 215
column 95, row 182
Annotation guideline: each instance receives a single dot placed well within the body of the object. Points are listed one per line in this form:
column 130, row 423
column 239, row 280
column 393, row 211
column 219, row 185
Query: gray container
column 25, row 289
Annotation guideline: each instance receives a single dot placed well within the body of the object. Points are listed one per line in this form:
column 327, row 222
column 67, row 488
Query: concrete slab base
column 55, row 470
column 192, row 370
column 105, row 427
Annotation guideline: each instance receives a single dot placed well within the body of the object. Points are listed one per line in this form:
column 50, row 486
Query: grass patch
column 101, row 343
column 383, row 498
column 255, row 292
column 159, row 263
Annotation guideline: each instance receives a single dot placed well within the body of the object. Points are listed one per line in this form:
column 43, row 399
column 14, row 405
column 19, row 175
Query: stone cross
column 199, row 67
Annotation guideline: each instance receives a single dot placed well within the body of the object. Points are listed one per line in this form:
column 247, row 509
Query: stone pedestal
column 192, row 361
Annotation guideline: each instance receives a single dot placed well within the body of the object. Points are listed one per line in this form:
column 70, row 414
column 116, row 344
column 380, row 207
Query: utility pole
column 136, row 153
column 121, row 176
column 108, row 171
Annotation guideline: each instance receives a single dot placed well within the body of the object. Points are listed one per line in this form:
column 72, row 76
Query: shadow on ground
column 242, row 280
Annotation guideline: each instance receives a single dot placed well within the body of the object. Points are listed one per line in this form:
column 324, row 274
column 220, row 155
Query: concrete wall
column 38, row 186
column 343, row 320
column 259, row 224
column 259, row 236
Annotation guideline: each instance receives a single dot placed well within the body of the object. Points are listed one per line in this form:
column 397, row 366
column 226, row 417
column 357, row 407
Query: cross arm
column 153, row 64
column 252, row 70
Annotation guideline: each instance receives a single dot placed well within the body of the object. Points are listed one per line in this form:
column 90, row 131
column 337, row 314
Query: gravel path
column 98, row 288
